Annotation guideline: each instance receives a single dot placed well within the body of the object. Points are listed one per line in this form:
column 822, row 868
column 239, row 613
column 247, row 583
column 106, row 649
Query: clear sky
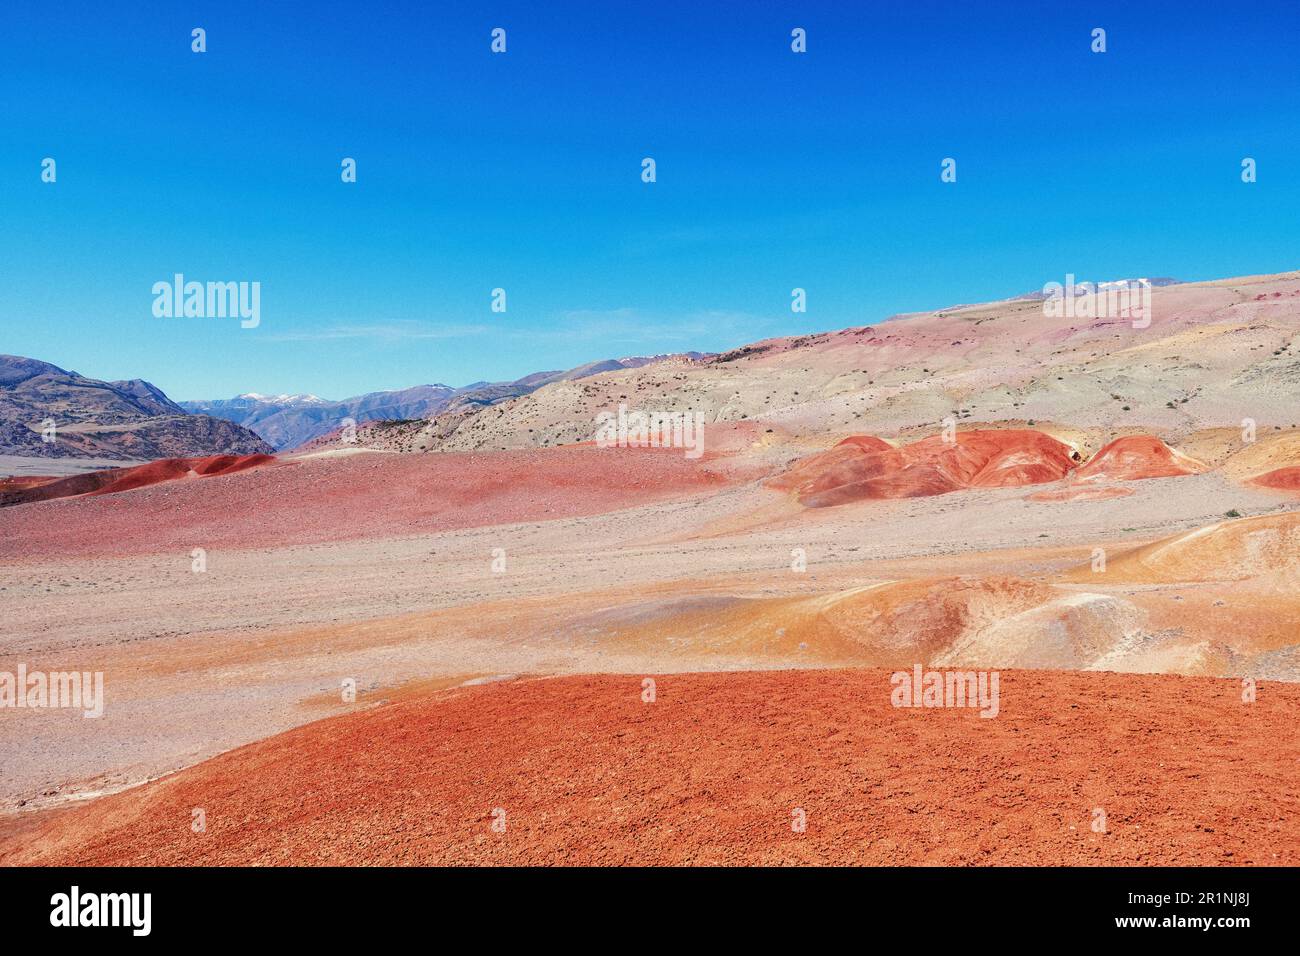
column 523, row 171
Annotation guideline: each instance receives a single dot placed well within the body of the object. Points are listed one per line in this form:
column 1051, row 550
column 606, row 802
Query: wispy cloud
column 630, row 327
column 380, row 332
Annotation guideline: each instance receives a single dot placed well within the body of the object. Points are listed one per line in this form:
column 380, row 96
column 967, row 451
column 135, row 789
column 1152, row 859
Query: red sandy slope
column 168, row 469
column 1135, row 457
column 359, row 496
column 713, row 769
column 112, row 480
column 860, row 468
column 1283, row 479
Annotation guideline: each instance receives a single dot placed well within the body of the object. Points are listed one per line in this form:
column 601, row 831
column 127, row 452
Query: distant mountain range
column 1082, row 287
column 134, row 419
column 93, row 419
column 288, row 421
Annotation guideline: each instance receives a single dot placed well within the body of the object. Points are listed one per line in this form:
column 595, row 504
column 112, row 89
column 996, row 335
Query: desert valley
column 450, row 626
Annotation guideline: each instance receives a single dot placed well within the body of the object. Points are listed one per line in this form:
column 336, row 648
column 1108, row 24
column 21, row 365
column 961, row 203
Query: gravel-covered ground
column 721, row 768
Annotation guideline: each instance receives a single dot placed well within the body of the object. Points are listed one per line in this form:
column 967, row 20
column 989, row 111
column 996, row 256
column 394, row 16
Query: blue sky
column 522, row 171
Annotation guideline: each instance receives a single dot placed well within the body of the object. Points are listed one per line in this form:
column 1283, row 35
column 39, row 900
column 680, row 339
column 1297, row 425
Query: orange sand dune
column 857, row 469
column 1134, row 457
column 986, row 621
column 1266, row 547
column 1271, row 462
column 889, row 623
column 717, row 769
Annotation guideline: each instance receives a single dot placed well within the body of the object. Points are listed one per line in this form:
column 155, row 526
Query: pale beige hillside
column 1215, row 353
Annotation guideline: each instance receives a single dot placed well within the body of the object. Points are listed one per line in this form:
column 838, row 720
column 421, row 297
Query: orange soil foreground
column 713, row 770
